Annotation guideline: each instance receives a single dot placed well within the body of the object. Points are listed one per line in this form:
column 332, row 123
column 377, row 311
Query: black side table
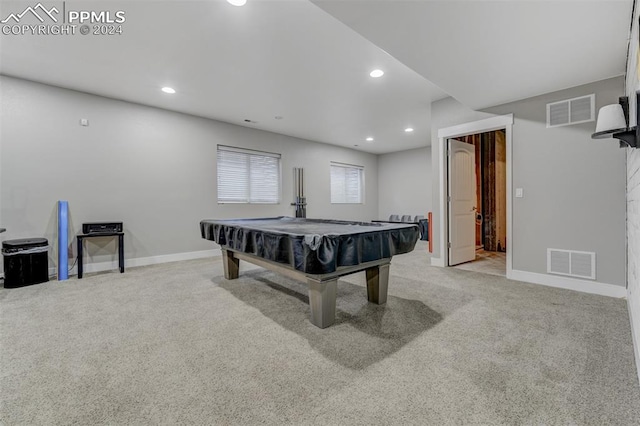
column 120, row 236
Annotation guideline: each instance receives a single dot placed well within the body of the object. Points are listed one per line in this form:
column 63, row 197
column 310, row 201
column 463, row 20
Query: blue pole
column 63, row 226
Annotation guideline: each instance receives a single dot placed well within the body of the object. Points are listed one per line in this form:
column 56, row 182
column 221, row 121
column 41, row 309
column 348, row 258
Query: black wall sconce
column 613, row 121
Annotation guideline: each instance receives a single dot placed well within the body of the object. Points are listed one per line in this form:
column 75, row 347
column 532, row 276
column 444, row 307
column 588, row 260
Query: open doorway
column 490, row 203
column 443, row 239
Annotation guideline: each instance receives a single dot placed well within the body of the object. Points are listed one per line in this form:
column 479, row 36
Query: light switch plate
column 519, row 193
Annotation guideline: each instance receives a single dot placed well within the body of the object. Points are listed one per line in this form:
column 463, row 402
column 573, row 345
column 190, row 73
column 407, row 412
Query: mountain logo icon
column 38, row 11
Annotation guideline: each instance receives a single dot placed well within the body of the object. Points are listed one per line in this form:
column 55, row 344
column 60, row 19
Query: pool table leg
column 377, row 284
column 231, row 265
column 322, row 300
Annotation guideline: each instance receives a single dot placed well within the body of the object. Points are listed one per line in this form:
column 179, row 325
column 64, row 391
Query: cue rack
column 298, row 187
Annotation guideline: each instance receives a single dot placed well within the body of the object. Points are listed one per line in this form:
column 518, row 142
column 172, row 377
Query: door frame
column 501, row 122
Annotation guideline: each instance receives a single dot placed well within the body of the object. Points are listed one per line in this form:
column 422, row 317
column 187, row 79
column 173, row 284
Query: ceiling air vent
column 579, row 264
column 571, row 111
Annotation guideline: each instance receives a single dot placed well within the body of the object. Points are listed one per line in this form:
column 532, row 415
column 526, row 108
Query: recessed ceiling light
column 408, row 130
column 376, row 73
column 168, row 90
column 369, row 139
column 237, row 2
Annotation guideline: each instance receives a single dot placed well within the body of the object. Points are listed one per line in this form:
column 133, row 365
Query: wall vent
column 579, row 264
column 571, row 111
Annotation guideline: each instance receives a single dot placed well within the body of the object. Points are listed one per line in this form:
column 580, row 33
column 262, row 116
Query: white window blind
column 347, row 182
column 246, row 176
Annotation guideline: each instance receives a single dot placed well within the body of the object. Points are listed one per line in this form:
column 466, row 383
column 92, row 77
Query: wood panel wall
column 491, row 175
column 476, row 140
column 501, row 190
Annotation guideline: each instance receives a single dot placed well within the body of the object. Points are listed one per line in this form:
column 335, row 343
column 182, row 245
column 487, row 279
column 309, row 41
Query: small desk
column 120, row 236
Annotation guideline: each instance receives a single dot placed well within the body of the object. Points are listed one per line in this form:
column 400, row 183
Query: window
column 246, row 176
column 347, row 182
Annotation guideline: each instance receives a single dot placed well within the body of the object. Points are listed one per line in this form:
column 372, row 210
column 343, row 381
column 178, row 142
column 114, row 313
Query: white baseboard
column 437, row 261
column 530, row 277
column 140, row 261
column 584, row 286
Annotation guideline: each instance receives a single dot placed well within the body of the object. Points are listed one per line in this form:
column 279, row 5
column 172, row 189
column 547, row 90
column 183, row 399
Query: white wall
column 153, row 169
column 633, row 248
column 633, row 196
column 404, row 183
column 574, row 187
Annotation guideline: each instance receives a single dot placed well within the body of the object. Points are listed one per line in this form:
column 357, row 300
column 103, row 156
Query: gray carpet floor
column 178, row 344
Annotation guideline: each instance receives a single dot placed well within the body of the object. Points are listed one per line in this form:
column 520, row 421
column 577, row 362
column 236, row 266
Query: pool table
column 316, row 251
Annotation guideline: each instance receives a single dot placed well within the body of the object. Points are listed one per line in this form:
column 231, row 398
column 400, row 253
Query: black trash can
column 26, row 262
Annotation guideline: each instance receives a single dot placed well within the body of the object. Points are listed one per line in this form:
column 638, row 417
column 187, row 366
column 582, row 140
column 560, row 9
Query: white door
column 462, row 202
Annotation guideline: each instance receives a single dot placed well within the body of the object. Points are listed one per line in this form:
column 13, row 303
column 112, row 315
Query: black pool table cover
column 313, row 246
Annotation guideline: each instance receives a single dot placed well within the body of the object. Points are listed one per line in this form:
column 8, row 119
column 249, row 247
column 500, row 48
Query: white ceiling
column 298, row 59
column 486, row 53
